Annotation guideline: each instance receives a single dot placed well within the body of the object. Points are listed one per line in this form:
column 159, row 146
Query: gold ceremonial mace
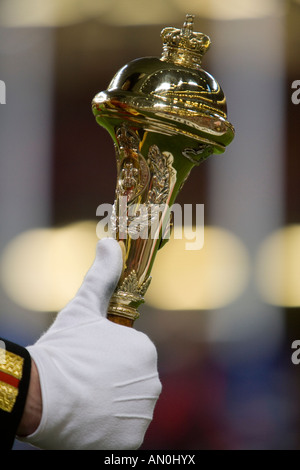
column 165, row 116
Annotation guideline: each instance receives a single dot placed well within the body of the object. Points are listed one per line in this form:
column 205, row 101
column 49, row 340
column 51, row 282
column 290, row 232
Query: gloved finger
column 102, row 278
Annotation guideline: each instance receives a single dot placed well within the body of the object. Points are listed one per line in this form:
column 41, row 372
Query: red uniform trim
column 9, row 379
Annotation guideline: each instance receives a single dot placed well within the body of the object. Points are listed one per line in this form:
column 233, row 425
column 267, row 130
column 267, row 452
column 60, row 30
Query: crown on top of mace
column 184, row 46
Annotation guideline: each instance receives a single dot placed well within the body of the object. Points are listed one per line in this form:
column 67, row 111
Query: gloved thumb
column 102, row 278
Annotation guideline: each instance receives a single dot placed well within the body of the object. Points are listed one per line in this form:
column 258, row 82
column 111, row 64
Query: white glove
column 99, row 380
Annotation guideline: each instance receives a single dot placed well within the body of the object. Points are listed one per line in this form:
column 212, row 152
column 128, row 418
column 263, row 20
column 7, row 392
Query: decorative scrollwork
column 146, row 184
column 129, row 176
column 161, row 167
column 133, row 171
column 131, row 285
column 127, row 139
column 162, row 177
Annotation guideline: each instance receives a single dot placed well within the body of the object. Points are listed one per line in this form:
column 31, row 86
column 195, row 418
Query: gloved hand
column 99, row 380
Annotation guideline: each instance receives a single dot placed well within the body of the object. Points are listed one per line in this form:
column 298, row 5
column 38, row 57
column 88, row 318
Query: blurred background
column 223, row 318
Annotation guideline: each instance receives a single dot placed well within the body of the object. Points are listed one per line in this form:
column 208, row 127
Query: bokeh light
column 278, row 267
column 42, row 269
column 204, row 279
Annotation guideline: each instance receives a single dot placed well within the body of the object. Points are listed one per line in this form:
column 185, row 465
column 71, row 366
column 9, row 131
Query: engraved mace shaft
column 165, row 116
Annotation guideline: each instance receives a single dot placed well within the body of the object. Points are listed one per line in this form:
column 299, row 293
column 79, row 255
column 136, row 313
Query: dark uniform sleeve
column 15, row 367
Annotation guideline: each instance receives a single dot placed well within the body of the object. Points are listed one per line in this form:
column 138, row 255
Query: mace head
column 173, row 94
